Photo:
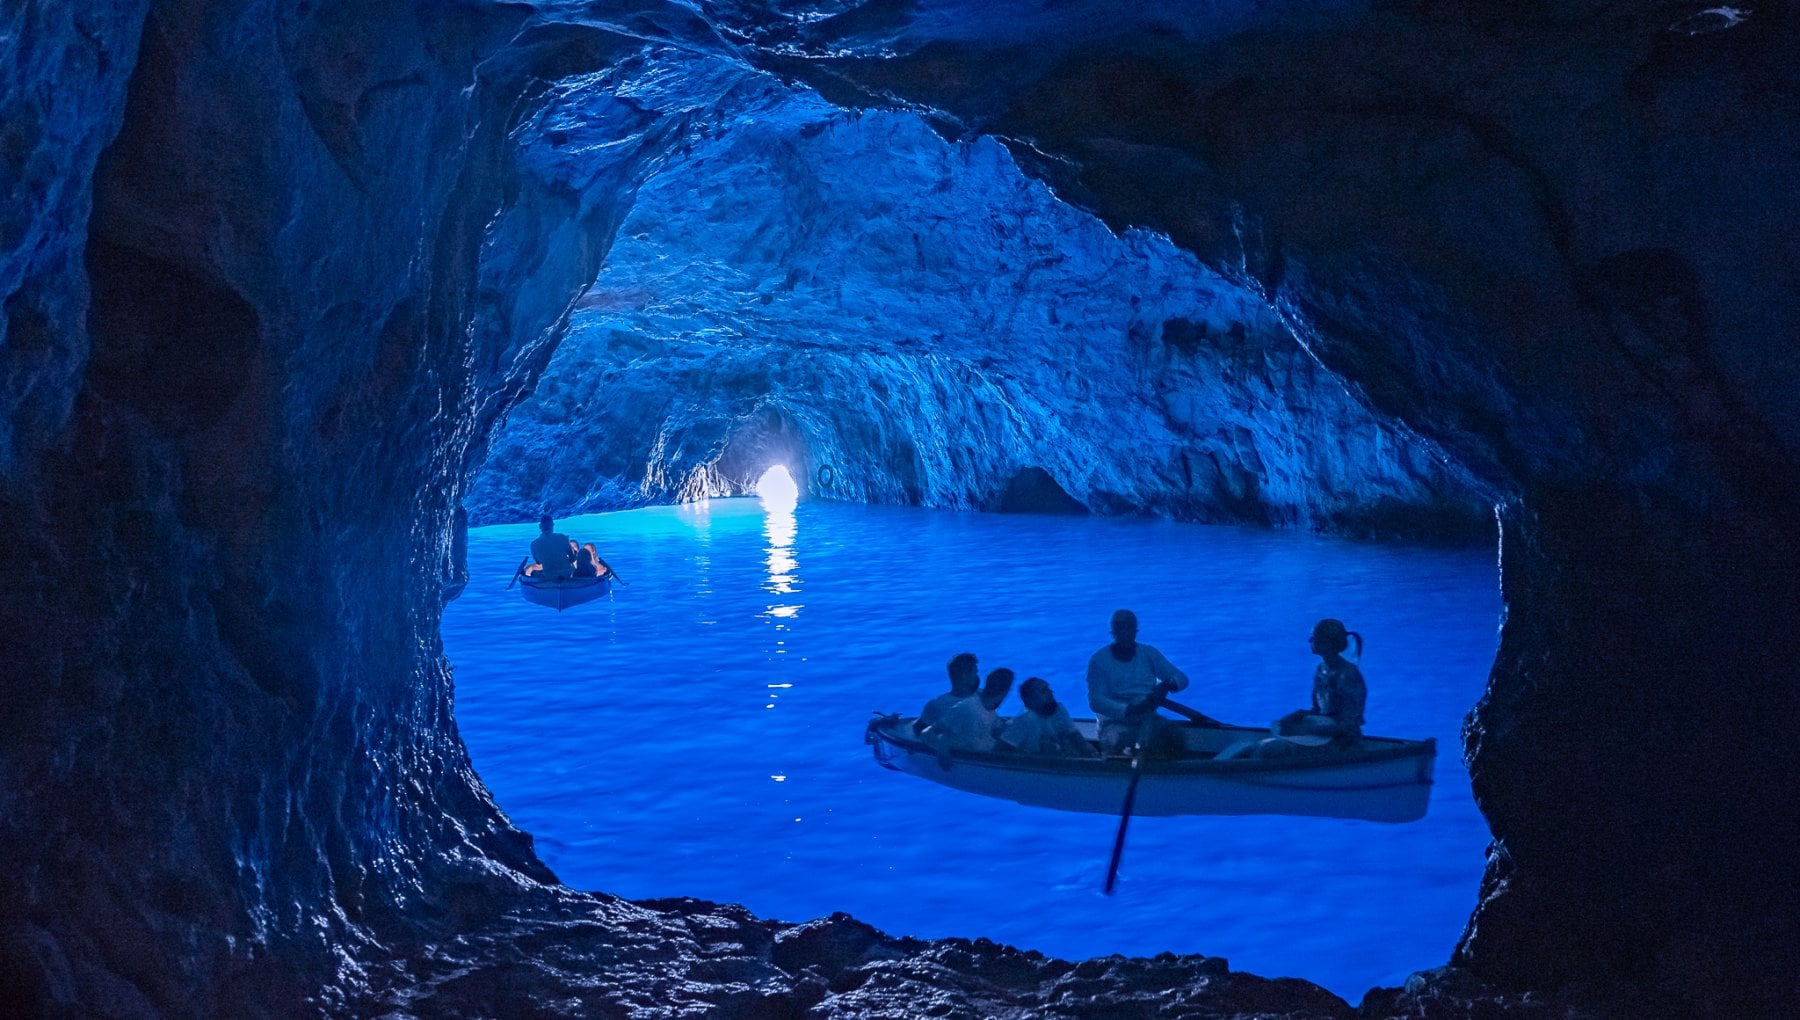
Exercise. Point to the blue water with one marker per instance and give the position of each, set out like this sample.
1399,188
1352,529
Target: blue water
700,733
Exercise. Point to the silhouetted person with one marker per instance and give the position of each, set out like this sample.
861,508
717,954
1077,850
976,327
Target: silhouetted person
1338,692
971,723
586,563
1044,727
998,686
965,680
1125,681
551,550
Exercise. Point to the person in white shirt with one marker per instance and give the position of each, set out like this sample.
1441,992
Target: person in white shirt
970,724
1044,727
1125,681
965,679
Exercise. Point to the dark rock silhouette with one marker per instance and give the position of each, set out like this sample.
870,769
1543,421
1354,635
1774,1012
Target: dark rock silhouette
258,346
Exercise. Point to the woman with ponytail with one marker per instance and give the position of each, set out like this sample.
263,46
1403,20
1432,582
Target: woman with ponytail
1338,692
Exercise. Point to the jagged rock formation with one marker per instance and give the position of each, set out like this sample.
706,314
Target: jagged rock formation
902,319
270,274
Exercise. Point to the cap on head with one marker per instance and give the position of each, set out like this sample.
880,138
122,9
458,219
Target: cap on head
546,524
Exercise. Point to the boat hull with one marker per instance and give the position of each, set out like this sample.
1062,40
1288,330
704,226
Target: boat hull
560,595
1385,780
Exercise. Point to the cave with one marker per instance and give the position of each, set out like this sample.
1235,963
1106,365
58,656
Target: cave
277,280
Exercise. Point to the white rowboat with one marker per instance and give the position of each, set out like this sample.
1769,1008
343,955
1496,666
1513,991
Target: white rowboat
560,595
1383,779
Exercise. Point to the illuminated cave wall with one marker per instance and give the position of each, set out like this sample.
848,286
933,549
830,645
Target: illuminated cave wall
910,320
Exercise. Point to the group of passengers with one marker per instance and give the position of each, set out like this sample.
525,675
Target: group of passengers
968,718
557,557
1127,682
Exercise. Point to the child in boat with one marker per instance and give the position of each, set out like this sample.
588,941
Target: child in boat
1044,727
970,724
965,679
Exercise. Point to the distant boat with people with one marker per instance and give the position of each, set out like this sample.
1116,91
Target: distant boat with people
566,572
1382,779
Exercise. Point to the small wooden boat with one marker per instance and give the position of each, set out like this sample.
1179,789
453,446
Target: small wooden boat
570,591
1382,780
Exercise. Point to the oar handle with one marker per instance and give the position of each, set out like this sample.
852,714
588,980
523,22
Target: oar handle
1178,708
516,572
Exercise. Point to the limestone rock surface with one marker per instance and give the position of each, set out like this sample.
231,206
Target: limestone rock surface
902,319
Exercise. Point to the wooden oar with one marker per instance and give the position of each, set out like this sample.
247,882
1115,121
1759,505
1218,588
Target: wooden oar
1137,773
1198,717
517,572
611,572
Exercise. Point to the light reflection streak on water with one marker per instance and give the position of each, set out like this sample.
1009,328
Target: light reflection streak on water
780,526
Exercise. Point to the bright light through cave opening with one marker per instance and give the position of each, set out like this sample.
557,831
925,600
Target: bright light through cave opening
777,488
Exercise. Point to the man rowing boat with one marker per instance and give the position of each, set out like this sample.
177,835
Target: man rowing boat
1126,680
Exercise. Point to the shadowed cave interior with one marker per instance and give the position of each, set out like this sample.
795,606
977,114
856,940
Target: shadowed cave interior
272,276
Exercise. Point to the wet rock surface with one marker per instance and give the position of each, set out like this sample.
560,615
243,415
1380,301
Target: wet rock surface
272,273
667,958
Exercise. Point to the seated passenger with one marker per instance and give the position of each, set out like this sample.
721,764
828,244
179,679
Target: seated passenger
1338,696
587,563
1126,680
965,679
551,551
1044,727
970,724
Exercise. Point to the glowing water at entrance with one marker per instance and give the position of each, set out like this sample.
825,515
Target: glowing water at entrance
701,733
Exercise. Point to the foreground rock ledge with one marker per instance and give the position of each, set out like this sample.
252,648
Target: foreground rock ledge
563,954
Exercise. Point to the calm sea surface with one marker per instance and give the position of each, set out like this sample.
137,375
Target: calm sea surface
700,733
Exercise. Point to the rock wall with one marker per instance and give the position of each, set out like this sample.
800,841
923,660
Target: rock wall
243,397
903,319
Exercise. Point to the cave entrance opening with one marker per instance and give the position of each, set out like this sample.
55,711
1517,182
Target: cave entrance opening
776,487
905,322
